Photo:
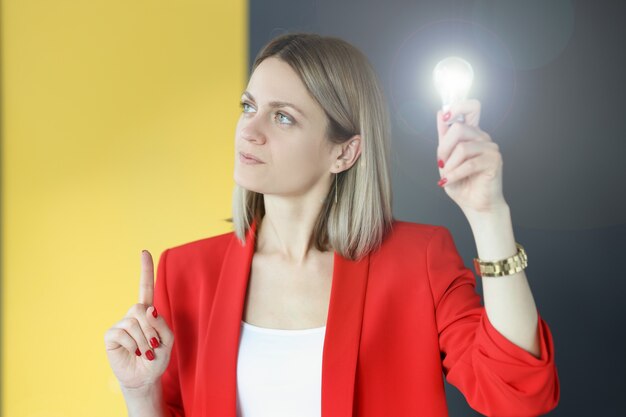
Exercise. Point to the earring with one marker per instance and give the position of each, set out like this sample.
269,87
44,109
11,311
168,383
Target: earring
335,188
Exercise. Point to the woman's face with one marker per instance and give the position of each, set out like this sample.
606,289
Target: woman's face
284,127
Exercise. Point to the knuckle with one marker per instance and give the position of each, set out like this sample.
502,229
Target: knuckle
130,323
109,333
139,308
134,310
114,333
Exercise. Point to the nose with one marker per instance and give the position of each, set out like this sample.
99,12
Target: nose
253,131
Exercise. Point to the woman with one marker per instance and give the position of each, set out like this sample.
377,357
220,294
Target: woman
319,303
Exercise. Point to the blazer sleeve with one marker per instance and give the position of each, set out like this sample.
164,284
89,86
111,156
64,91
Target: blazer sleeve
497,377
170,381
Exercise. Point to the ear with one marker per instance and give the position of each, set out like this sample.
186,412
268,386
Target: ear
349,152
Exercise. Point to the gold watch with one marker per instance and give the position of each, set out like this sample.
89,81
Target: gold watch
508,266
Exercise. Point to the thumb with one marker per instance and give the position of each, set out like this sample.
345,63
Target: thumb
160,325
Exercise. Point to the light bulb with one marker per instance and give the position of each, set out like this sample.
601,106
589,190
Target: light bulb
453,78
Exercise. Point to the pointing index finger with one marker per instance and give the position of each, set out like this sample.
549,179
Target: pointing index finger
146,281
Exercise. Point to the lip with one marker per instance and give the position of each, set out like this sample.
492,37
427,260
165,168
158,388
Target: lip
247,158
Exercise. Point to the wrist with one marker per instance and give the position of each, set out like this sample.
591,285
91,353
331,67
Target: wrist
142,391
497,214
493,234
145,401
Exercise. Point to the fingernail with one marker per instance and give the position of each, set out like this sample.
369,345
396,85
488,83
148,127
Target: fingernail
150,355
440,163
138,352
442,182
154,342
154,313
446,116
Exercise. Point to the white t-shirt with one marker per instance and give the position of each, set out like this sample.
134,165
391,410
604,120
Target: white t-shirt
279,372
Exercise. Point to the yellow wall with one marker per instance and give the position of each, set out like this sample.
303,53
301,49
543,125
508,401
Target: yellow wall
119,120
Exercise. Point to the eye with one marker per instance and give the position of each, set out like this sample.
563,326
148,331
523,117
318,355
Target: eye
285,118
282,118
245,106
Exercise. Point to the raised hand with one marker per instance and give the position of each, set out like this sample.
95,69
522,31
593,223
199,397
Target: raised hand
139,345
470,163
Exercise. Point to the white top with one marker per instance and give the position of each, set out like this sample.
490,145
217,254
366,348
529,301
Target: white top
279,372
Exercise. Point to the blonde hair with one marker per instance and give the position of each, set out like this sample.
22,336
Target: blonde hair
343,82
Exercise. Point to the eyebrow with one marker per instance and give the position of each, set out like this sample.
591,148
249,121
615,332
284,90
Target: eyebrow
277,104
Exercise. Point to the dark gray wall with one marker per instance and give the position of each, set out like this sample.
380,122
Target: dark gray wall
550,77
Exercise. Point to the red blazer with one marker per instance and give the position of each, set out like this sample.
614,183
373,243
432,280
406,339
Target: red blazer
398,321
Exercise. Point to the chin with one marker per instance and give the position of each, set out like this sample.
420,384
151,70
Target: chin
250,184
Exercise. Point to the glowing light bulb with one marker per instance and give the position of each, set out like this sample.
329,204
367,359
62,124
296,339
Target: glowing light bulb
453,77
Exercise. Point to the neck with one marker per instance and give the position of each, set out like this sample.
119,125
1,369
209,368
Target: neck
287,227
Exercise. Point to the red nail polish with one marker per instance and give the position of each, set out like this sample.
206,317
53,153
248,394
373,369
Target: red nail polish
446,116
154,342
150,355
138,352
442,182
440,163
154,313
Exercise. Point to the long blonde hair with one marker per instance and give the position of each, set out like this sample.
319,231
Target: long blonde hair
343,82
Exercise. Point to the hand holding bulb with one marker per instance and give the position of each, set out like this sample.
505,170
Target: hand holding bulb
470,163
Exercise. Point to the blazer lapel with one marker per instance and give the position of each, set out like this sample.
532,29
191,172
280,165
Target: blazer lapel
343,335
216,377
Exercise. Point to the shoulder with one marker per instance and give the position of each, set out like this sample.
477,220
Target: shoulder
406,254
412,234
209,249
